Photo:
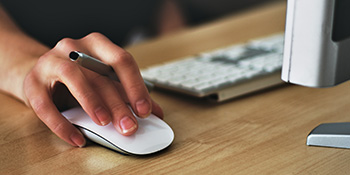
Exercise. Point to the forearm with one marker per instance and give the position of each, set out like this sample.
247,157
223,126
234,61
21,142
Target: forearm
18,54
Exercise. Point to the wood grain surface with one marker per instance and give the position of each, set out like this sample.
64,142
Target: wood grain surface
261,133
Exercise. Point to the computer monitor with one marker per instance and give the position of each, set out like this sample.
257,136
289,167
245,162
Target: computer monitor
317,42
317,54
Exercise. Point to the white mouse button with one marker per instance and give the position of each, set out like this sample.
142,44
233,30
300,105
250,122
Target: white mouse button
152,135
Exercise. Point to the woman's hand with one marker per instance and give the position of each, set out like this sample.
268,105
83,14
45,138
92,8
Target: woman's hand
102,99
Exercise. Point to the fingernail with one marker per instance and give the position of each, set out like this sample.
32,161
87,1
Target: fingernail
143,108
127,125
102,116
78,139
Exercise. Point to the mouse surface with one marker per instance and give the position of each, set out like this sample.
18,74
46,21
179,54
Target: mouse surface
153,133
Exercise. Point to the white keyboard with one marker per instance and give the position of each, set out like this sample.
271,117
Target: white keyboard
223,73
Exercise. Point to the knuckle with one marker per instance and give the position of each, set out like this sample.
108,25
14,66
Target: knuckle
58,128
116,108
86,96
136,87
40,108
101,83
93,36
65,43
123,58
43,63
38,105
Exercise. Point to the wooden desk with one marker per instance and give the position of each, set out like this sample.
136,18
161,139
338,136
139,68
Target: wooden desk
263,133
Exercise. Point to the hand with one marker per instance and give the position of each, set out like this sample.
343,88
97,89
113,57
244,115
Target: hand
103,100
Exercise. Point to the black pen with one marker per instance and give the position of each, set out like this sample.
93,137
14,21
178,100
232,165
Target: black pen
99,67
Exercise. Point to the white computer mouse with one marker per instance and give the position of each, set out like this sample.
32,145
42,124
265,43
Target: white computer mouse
152,135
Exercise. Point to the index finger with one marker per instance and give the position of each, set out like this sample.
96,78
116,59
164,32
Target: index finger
126,68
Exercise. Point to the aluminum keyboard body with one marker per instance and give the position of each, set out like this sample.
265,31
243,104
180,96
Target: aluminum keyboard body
223,73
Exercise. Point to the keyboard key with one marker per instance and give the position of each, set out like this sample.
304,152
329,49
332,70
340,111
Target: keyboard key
225,67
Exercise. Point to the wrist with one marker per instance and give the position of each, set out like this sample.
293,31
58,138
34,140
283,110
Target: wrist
17,63
14,76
